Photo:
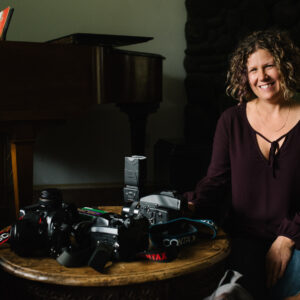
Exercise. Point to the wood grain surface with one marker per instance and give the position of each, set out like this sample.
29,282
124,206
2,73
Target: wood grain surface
199,257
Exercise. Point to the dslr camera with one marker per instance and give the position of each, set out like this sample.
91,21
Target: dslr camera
117,238
44,227
109,237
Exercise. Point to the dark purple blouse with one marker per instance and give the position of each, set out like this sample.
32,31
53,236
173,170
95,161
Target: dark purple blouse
265,196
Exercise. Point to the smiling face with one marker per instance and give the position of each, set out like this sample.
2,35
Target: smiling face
264,76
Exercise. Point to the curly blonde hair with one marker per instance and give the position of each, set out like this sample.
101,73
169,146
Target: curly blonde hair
286,57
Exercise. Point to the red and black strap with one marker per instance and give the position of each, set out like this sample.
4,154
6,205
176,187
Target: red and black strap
160,255
4,235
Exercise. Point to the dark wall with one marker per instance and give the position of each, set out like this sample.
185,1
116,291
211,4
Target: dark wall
212,31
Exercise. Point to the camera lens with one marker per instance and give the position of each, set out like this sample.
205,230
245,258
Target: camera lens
51,197
25,237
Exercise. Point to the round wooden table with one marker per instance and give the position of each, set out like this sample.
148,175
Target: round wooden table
194,273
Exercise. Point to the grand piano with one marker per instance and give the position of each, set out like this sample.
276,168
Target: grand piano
52,81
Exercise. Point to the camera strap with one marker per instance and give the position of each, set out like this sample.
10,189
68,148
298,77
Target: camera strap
167,238
4,235
160,254
181,231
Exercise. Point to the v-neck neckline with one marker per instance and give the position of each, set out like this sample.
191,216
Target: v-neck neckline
255,133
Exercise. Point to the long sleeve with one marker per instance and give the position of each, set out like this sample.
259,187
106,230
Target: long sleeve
261,205
290,227
210,189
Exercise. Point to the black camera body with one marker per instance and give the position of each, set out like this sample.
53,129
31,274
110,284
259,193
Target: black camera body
43,228
109,237
114,238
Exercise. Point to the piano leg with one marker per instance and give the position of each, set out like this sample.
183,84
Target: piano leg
7,211
137,114
21,141
22,171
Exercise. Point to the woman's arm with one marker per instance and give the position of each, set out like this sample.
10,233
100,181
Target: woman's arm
204,200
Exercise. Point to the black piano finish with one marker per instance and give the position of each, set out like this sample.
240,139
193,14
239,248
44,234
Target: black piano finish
44,82
48,81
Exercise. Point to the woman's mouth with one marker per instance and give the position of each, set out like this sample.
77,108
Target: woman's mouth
267,85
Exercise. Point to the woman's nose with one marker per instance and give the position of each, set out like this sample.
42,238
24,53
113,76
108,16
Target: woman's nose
262,75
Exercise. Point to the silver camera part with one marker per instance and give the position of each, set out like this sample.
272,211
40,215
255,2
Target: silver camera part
161,201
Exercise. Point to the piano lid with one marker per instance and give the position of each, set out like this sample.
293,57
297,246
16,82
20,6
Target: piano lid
107,40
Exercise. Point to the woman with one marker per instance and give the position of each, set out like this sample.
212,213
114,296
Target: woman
256,152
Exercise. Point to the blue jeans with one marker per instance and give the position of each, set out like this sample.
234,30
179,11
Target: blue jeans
289,284
248,258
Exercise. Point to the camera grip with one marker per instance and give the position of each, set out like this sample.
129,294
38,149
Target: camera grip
101,255
74,258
